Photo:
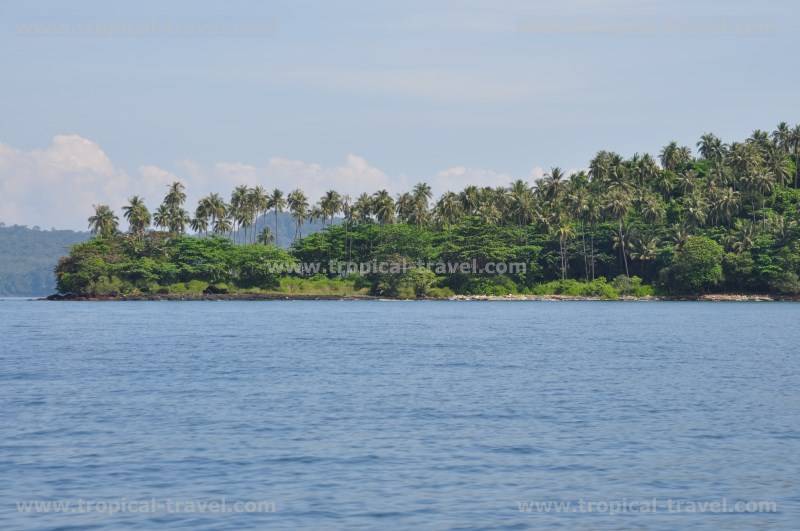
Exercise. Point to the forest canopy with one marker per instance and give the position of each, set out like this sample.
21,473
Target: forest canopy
723,218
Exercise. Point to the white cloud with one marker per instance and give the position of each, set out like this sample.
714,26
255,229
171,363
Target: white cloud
458,177
235,173
353,177
537,173
57,186
153,183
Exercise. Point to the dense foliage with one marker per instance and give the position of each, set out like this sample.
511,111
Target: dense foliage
724,220
159,263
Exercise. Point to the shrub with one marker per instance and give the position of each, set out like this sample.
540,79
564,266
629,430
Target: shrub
196,286
489,285
787,282
218,288
108,286
405,290
178,288
597,288
440,293
420,279
631,286
697,266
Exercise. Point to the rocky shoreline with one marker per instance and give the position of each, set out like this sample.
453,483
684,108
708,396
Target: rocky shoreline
721,297
715,297
211,297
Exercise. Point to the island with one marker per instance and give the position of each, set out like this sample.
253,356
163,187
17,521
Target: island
721,223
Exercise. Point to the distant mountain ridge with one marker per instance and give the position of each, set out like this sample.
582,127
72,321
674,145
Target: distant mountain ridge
28,257
286,228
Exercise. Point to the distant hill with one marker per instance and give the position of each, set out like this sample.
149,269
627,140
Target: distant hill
28,256
286,227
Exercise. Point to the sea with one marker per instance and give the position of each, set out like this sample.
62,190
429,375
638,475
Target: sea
399,415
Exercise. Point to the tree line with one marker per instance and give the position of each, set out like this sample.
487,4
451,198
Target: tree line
736,202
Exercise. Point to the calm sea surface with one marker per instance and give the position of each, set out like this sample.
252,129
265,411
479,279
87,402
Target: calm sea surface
399,415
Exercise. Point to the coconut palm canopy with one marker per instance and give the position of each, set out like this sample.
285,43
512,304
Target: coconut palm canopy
621,216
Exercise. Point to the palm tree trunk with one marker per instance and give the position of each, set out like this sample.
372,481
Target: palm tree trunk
796,163
591,243
347,240
622,246
585,260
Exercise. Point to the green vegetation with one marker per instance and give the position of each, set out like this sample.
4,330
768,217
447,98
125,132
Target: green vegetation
725,220
159,263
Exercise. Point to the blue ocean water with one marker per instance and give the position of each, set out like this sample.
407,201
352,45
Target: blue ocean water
399,415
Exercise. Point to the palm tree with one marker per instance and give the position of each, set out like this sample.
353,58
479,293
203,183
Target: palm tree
782,137
104,222
260,201
362,209
795,142
298,206
347,211
199,222
674,156
724,204
599,167
316,214
652,208
223,224
421,195
643,169
565,233
277,203
618,172
645,250
617,204
214,208
576,205
330,204
246,214
778,164
177,218
383,207
760,139
161,217
696,208
178,221
176,195
594,215
265,236
238,207
521,200
405,207
202,214
551,186
489,213
744,237
470,200
448,210
137,215
711,148
680,233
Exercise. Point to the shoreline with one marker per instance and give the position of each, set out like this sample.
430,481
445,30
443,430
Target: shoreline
711,297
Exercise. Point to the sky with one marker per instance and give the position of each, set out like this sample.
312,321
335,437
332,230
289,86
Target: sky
99,101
